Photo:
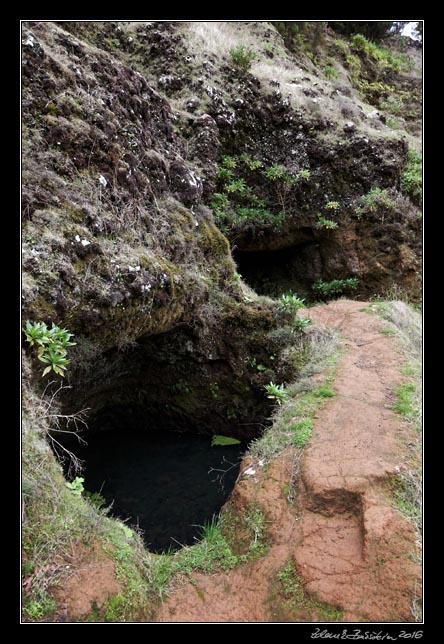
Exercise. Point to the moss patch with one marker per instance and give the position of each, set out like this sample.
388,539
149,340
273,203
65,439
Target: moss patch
289,601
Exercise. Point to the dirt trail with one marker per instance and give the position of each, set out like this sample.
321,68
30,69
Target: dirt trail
351,548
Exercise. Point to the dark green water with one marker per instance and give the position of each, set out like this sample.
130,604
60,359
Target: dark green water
161,482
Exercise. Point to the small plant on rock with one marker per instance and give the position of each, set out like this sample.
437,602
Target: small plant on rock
301,324
235,205
335,287
276,392
291,303
52,345
304,174
224,175
378,200
242,57
278,172
252,164
411,178
76,486
328,224
282,180
229,162
330,72
238,185
95,499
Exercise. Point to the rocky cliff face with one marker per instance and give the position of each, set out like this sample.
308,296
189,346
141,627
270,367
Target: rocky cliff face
149,150
119,245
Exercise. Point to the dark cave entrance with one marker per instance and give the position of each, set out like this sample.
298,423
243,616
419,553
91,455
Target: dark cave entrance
153,411
166,483
274,272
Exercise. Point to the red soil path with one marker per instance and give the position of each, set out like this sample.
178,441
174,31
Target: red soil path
349,546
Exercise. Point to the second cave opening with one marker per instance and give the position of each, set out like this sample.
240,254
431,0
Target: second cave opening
274,272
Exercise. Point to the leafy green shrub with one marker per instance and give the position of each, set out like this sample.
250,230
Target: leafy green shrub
371,67
411,178
229,162
278,172
304,174
244,218
341,46
238,185
224,175
291,303
219,202
300,324
276,392
377,199
393,124
252,164
330,72
257,214
242,57
76,486
335,287
282,182
235,205
52,345
383,57
354,65
359,42
392,105
326,223
95,499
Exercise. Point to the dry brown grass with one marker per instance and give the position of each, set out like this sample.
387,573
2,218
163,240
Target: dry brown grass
216,38
409,325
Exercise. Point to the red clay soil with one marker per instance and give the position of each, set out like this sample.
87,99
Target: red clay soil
92,582
351,549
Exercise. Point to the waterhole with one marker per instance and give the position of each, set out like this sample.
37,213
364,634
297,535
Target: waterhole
168,484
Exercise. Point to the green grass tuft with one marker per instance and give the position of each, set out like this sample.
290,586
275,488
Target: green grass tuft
411,178
324,392
293,601
387,331
404,404
38,605
302,431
